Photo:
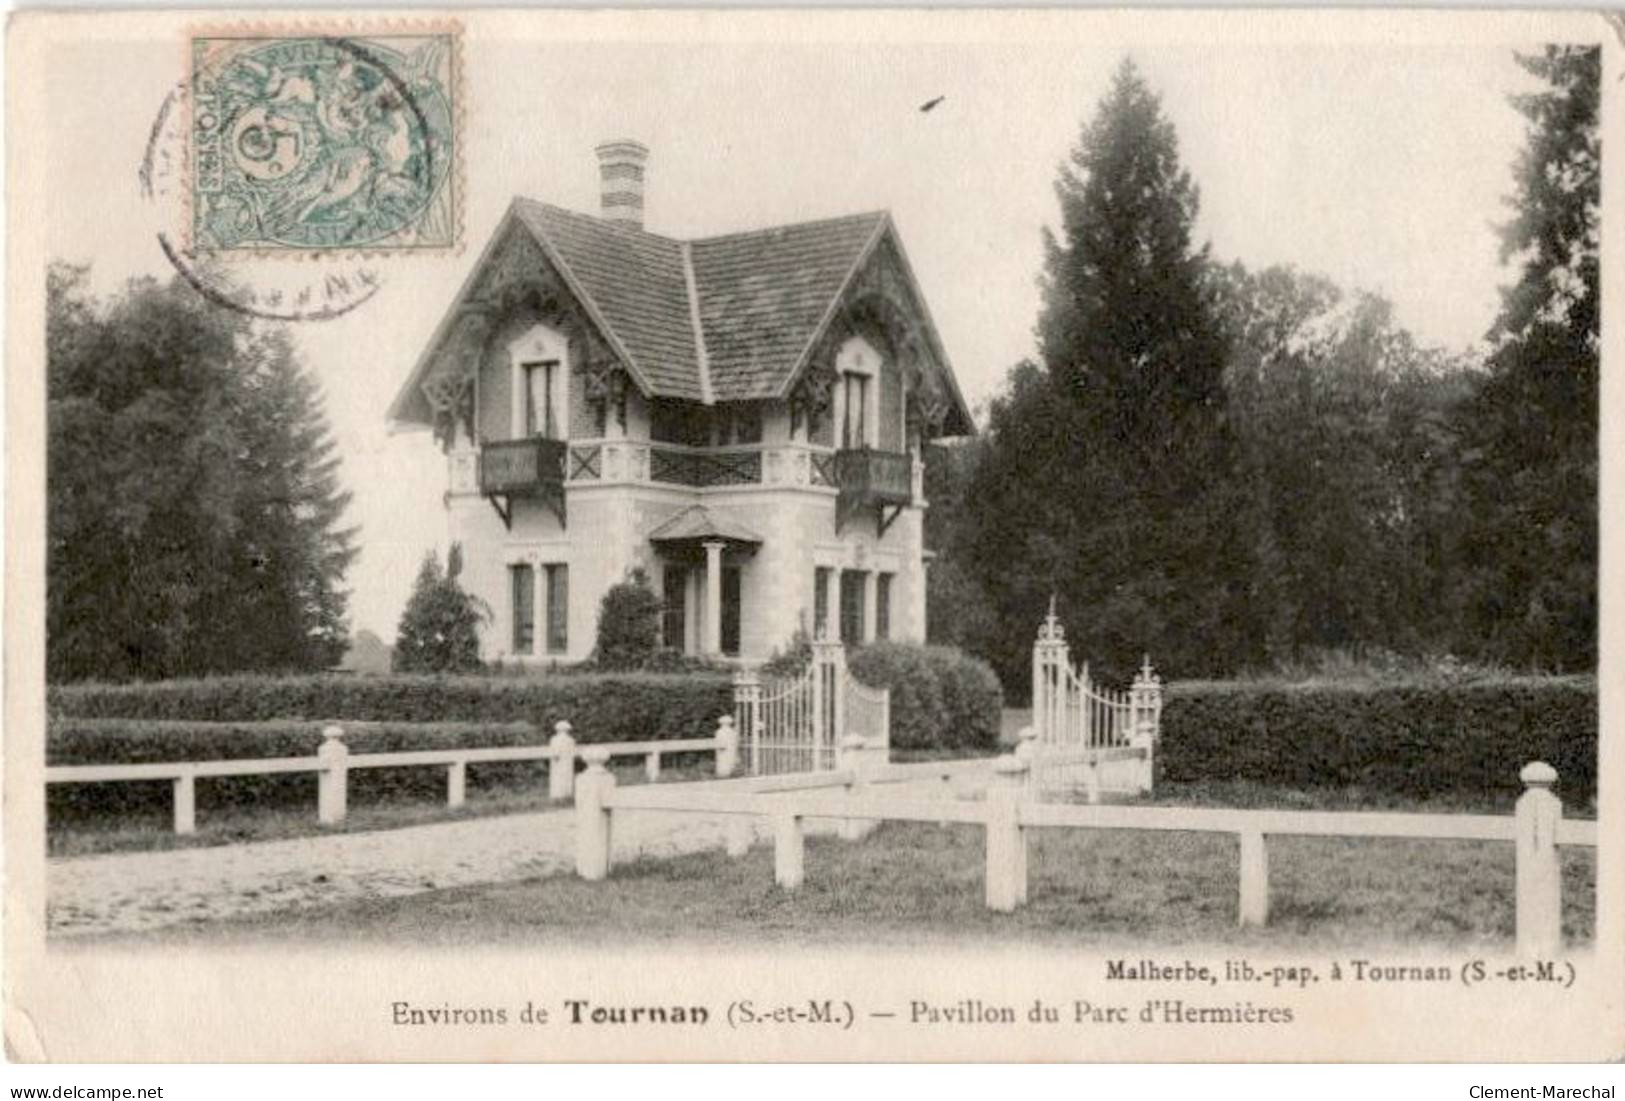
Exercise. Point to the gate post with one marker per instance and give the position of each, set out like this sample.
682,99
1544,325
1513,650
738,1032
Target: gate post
747,714
1050,656
1006,840
1539,873
857,755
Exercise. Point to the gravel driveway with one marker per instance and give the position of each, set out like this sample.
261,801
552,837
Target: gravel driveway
134,892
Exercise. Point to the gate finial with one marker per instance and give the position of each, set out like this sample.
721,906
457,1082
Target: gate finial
1051,630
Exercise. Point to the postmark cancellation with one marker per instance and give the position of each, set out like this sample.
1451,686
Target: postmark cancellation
319,141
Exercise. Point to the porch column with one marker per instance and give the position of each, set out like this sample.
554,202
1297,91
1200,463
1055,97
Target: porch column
713,597
871,586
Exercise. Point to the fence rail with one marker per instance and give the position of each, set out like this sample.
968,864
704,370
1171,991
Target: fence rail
334,761
1011,811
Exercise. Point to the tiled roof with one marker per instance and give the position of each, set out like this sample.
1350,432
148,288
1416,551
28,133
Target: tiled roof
699,522
635,281
762,295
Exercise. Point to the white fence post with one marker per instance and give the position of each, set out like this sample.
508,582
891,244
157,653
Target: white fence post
561,767
1006,840
333,781
741,835
1027,750
1254,907
185,804
727,747
592,817
1539,873
651,767
789,852
856,754
1146,701
456,784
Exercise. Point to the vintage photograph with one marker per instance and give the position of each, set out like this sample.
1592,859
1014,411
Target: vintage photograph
607,483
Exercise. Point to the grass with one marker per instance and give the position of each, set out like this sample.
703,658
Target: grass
911,884
150,828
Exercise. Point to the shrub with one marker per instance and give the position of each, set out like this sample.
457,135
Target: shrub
1414,740
602,706
628,624
940,697
439,630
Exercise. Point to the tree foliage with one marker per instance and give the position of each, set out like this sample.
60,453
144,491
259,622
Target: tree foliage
439,629
194,501
1097,479
1530,432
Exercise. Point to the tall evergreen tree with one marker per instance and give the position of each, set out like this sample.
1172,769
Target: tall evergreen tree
1106,478
1531,429
192,490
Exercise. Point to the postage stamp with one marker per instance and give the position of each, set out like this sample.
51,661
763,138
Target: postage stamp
316,143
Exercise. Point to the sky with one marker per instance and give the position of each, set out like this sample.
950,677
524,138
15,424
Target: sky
1381,166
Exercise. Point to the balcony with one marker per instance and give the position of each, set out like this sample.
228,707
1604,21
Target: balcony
867,479
523,468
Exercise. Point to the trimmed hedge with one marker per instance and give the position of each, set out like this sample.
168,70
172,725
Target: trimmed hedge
1414,740
606,707
941,698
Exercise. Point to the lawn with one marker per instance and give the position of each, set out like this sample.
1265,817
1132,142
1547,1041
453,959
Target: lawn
914,883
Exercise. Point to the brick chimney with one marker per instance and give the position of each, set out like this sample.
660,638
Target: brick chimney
620,172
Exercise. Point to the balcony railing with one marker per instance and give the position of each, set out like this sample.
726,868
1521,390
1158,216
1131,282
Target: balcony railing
522,468
691,467
869,477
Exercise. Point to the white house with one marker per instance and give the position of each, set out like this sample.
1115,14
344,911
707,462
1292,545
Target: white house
741,416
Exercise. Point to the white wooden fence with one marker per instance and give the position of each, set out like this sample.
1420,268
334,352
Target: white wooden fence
1080,729
1008,813
334,762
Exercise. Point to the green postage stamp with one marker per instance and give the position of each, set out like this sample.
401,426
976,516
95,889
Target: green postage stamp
321,143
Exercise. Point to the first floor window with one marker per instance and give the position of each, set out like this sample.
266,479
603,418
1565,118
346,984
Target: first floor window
674,608
852,585
730,611
855,411
558,607
883,606
821,602
522,584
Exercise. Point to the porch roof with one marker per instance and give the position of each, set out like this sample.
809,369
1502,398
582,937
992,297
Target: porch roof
698,524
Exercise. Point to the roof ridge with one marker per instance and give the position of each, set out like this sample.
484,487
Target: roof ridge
782,226
702,358
618,227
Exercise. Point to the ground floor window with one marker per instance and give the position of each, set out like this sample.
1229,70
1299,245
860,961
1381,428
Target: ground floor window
558,607
674,608
853,583
730,611
821,602
522,586
883,606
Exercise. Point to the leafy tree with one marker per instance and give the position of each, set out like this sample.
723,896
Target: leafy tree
1531,429
1347,459
439,630
628,624
193,493
1105,472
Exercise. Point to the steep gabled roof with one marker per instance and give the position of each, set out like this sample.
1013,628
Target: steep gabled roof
764,295
635,283
726,318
